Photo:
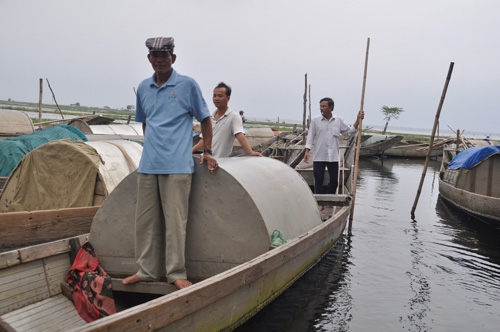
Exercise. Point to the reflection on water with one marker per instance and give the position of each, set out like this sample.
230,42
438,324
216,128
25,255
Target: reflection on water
438,272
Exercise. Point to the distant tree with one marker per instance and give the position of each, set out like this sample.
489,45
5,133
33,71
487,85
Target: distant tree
131,108
390,113
77,104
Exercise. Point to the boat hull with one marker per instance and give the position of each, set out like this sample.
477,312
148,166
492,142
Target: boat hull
479,205
226,300
19,229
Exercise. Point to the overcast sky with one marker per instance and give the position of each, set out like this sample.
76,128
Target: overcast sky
93,52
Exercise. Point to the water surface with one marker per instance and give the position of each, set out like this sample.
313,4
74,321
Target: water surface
438,272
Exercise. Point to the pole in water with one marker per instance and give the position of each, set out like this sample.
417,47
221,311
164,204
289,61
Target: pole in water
436,121
358,142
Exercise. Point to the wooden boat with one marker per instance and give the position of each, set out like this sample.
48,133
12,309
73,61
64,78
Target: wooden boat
417,150
13,124
287,147
56,189
347,150
19,229
468,181
228,254
379,147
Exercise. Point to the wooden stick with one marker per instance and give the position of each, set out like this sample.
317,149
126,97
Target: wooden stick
54,96
436,121
305,110
40,101
358,142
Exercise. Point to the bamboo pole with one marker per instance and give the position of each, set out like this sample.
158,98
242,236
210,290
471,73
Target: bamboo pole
305,110
54,96
436,121
309,118
40,101
358,142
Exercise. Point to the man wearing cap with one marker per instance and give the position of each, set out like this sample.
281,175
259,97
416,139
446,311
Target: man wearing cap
226,126
166,104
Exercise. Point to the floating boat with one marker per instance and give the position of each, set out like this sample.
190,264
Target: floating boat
56,189
379,146
417,150
468,180
13,124
347,149
236,267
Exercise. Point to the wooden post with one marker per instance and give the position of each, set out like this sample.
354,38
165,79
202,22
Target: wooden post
40,104
305,112
309,120
358,142
436,121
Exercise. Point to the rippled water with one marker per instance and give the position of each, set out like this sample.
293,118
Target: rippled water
439,272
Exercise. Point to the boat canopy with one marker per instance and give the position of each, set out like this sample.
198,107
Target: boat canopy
12,150
472,157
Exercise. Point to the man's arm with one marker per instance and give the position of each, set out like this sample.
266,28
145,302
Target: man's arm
206,131
198,146
246,146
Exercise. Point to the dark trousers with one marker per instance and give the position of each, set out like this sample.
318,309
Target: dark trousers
319,177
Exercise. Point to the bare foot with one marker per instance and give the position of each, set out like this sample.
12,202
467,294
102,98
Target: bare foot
131,280
320,207
182,283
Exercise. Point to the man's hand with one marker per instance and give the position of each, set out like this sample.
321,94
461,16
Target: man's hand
306,156
212,164
255,154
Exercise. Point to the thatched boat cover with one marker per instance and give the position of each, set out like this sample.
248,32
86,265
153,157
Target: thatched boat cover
15,123
12,150
58,174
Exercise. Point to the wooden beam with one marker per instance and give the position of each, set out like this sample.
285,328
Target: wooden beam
332,200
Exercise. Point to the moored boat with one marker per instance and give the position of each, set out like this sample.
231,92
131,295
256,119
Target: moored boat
56,189
229,253
417,150
378,147
468,181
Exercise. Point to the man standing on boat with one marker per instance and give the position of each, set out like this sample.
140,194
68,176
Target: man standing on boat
226,126
324,134
166,104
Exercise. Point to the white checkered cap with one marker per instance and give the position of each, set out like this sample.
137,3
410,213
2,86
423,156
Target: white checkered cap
163,44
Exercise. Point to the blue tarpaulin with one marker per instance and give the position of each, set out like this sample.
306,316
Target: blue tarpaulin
12,150
471,157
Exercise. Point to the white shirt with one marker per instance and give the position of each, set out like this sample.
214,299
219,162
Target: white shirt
224,131
324,136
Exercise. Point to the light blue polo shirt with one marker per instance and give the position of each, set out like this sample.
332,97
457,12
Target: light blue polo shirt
168,112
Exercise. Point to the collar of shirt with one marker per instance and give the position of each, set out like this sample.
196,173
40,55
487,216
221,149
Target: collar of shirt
172,80
226,113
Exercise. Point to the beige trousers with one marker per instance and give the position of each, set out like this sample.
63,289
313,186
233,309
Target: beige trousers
160,225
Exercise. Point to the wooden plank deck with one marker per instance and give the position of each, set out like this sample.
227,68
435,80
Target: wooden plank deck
56,313
31,297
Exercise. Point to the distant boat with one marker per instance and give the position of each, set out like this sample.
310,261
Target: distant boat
417,150
379,145
469,180
13,124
